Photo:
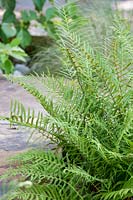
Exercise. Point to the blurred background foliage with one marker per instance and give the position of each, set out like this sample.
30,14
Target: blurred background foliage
42,50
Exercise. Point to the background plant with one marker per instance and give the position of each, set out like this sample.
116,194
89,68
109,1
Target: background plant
12,26
47,60
89,118
97,30
9,51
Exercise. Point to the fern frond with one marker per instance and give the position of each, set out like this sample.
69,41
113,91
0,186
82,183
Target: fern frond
120,194
121,54
89,118
48,169
46,103
82,175
87,64
37,122
36,192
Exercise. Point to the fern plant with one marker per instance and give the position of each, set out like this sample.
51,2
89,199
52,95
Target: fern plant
89,117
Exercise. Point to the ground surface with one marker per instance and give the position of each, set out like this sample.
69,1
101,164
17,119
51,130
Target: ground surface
13,139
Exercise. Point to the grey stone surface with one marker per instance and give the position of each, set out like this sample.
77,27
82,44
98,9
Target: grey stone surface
22,68
36,29
17,73
125,5
24,4
15,139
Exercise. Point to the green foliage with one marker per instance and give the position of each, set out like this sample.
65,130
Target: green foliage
47,60
100,17
28,15
8,29
39,4
8,51
24,37
11,27
89,117
20,27
8,5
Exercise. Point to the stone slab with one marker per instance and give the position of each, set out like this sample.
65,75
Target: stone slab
15,139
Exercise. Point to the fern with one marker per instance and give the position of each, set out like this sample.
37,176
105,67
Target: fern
89,118
120,194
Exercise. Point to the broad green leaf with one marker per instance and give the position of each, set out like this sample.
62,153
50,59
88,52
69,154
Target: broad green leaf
9,29
3,36
9,17
24,14
8,4
18,53
8,66
50,13
15,42
1,46
51,29
39,4
1,65
27,16
1,4
32,15
3,58
24,37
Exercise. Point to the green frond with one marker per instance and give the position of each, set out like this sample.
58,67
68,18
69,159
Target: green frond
36,192
46,192
118,195
88,64
46,168
89,117
82,175
46,104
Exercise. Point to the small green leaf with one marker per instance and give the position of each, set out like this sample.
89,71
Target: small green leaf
8,66
3,36
18,53
27,16
15,42
8,17
32,15
24,37
24,14
39,4
8,29
3,58
50,13
9,4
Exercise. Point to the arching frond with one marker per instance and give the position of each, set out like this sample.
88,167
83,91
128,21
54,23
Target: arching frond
89,117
